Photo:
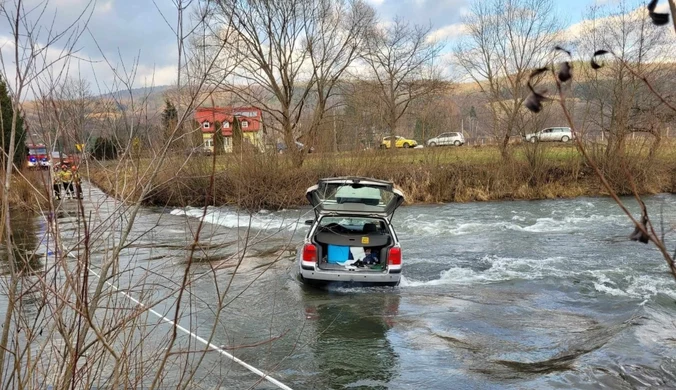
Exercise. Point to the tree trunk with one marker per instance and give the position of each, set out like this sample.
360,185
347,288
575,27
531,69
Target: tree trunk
335,135
618,146
393,121
504,147
655,145
392,141
672,7
297,155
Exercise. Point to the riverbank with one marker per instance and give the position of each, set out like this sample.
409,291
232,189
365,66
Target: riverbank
28,190
437,175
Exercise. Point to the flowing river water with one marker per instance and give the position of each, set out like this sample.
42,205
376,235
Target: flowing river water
523,294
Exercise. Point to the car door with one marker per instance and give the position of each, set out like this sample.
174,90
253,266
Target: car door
556,134
546,135
452,137
386,142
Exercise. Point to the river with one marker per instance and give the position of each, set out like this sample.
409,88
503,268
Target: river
523,294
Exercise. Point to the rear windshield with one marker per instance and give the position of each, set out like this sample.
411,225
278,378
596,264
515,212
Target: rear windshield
37,151
349,193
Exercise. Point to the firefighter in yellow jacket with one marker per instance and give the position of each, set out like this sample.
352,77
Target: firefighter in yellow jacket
56,182
67,180
77,181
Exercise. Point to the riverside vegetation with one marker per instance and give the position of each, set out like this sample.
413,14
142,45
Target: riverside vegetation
29,191
271,181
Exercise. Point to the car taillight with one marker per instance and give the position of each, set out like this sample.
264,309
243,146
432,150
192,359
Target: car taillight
310,253
394,256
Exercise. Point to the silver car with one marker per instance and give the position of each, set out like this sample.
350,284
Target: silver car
452,138
551,134
351,240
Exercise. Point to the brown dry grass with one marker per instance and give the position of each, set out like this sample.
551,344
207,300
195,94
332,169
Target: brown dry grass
425,176
29,190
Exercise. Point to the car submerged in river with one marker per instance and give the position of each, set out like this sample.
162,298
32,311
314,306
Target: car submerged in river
351,239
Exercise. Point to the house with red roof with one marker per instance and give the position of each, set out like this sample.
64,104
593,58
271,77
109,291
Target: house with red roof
250,119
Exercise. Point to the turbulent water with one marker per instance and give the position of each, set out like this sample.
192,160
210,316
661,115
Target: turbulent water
539,294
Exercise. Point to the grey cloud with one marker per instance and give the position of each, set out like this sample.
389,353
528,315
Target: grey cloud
123,29
133,28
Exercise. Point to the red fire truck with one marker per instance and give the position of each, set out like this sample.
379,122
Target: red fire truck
38,158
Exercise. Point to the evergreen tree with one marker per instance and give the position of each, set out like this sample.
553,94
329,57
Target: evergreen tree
169,118
7,112
105,149
237,135
218,140
169,115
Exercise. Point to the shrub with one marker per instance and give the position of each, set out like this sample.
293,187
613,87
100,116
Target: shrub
105,149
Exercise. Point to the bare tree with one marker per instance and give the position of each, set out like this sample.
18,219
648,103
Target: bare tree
644,229
505,40
334,42
29,58
401,69
434,114
290,56
619,102
74,321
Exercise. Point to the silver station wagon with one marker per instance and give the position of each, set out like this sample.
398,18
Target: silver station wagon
552,134
351,240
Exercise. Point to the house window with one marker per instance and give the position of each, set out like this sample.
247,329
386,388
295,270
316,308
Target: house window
226,125
245,124
206,125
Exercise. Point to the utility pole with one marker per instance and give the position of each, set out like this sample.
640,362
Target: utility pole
335,133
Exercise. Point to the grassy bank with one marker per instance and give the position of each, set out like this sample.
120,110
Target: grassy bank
426,175
29,190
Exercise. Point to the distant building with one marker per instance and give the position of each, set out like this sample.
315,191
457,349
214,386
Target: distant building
249,119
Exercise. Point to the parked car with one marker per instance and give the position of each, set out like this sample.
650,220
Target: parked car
552,134
351,239
452,138
281,147
198,151
399,142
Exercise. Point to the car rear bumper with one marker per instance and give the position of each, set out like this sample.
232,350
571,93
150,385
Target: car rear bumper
317,275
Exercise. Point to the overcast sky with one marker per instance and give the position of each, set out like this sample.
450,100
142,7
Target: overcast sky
122,30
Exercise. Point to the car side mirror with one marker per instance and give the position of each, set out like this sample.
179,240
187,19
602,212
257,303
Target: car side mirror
309,221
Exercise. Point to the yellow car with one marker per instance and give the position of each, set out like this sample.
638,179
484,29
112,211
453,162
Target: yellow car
399,142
